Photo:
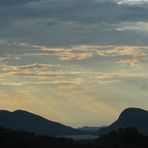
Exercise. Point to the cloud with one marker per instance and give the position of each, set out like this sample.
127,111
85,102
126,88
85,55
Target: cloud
76,56
132,2
78,52
39,67
6,3
90,11
73,22
82,11
64,77
39,82
83,52
132,26
132,63
122,51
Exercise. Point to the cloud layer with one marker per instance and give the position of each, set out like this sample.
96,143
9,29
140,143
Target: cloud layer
69,22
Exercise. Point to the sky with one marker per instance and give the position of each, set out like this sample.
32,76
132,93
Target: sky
77,62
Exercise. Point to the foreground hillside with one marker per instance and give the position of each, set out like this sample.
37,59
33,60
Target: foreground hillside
123,138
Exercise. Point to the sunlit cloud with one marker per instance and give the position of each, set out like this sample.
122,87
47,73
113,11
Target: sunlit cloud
58,74
75,78
132,63
50,81
122,51
83,52
77,52
27,67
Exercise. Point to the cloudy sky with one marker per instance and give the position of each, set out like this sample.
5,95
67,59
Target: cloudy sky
78,62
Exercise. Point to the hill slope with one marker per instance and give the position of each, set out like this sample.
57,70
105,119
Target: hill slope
25,121
131,117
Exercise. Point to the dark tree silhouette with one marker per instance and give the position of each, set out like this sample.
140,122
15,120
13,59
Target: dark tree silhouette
122,138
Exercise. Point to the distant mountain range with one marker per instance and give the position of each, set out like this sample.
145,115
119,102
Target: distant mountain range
25,121
88,128
91,130
131,117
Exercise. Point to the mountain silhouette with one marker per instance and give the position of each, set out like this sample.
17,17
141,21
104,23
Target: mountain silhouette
130,117
29,122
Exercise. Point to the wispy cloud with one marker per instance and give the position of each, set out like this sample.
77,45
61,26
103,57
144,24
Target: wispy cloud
132,63
78,52
76,78
39,67
82,52
61,73
118,51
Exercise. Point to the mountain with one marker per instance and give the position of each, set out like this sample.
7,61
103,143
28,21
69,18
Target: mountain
25,121
130,117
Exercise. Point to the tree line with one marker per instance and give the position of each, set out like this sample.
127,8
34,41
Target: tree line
122,138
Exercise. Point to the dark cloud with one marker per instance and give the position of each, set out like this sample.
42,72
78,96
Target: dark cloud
11,3
84,11
87,11
71,21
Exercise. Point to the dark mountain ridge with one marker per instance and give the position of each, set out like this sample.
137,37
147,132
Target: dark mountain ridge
29,122
131,117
